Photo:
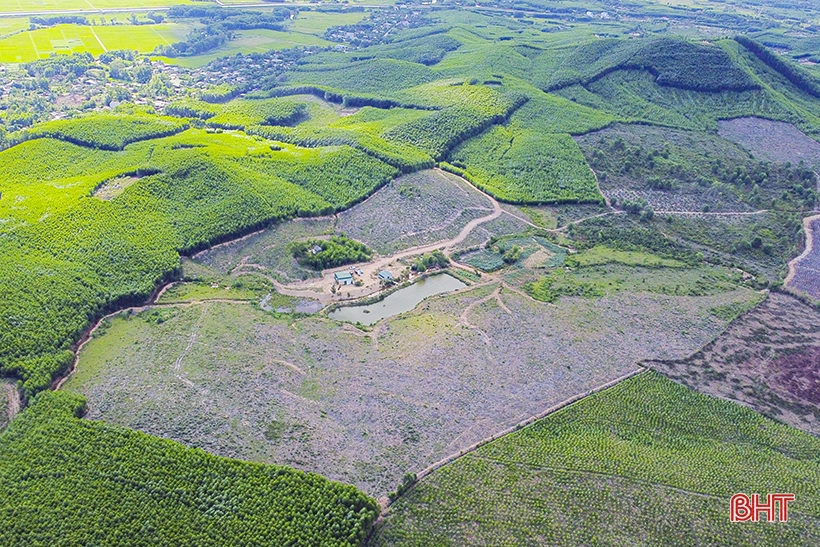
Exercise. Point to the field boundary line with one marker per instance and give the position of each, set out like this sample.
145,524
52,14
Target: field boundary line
94,33
386,502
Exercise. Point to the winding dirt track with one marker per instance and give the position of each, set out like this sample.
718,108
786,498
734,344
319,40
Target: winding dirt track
806,252
316,289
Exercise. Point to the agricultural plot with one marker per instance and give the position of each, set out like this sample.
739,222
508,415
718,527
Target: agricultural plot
766,360
14,6
367,407
532,252
634,96
672,63
772,141
613,272
646,462
807,269
415,209
78,466
65,39
107,132
316,22
239,113
247,42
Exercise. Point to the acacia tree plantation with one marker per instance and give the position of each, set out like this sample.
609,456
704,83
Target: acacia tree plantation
626,196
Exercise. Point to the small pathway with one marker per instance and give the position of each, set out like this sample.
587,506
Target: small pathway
806,252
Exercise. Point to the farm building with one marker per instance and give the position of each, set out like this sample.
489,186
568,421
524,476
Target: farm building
385,275
345,278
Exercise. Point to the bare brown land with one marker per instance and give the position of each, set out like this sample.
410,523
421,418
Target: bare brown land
767,360
366,407
771,141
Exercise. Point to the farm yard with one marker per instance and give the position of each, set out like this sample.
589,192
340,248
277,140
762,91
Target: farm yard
366,407
643,453
765,360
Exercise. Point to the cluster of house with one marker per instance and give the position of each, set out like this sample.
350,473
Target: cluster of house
346,277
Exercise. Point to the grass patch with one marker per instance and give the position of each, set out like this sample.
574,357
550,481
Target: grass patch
603,255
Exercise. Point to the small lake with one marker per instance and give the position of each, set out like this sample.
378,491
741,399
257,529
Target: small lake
400,301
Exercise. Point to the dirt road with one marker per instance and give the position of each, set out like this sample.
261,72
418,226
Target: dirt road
806,252
320,289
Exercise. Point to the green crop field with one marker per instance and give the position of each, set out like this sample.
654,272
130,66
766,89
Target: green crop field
314,22
19,6
64,39
646,462
250,41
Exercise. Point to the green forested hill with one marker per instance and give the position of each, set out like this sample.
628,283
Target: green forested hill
69,481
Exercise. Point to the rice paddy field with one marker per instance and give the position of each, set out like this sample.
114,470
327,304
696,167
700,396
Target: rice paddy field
27,6
65,39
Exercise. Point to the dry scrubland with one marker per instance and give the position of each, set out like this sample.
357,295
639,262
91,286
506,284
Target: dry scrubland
622,184
4,405
771,141
366,407
415,209
767,360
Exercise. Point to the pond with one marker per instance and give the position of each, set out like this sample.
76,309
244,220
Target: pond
400,301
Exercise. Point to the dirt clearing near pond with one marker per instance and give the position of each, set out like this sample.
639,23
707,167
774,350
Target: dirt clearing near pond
767,360
366,407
